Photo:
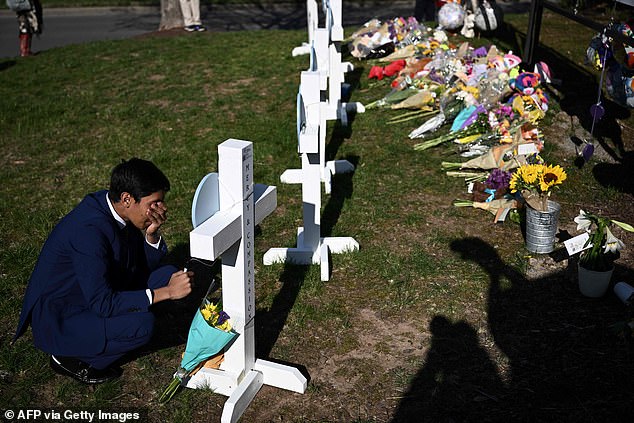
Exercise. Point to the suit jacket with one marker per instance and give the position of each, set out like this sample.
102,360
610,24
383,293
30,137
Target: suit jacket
88,270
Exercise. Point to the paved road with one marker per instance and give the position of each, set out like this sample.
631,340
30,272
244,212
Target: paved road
73,26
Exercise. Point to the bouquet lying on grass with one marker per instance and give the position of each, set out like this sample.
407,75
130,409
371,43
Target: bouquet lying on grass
491,195
602,247
209,333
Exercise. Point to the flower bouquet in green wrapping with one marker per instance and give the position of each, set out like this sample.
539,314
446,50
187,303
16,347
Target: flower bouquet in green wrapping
209,333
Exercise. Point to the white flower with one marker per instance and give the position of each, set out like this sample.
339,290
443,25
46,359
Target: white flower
461,95
583,223
440,36
612,243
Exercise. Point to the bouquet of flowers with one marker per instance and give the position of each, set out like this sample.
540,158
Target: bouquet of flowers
498,207
536,182
602,247
491,195
493,188
209,333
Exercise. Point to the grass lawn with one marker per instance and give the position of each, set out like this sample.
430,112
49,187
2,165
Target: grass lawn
441,316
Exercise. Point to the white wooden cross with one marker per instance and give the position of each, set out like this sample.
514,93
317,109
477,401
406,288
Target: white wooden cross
311,133
311,19
311,126
326,59
333,10
235,205
319,56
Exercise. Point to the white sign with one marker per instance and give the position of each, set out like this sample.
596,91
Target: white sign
526,149
577,244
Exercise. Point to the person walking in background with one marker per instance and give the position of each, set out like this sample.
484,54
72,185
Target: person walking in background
191,15
29,13
425,10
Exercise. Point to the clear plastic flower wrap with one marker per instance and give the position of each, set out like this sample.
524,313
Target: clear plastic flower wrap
493,88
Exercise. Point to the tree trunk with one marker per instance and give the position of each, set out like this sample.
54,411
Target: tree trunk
171,16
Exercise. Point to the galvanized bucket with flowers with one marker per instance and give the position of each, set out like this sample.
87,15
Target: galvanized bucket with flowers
596,260
536,182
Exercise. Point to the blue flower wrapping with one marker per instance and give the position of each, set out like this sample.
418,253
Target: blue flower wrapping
203,341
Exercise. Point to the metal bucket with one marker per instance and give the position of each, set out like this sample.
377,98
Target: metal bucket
541,228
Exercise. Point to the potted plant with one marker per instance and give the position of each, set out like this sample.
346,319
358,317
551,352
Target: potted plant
535,182
596,260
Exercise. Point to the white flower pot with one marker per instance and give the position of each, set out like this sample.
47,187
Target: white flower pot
593,284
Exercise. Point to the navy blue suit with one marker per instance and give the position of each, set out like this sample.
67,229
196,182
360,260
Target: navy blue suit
87,294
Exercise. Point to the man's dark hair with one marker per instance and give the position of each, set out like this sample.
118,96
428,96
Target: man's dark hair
138,177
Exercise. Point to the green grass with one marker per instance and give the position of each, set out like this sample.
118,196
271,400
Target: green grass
70,114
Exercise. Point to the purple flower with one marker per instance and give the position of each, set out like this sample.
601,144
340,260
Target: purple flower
505,111
498,179
222,317
480,52
433,75
473,116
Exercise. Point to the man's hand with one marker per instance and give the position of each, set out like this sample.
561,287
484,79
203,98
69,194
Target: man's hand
179,286
157,213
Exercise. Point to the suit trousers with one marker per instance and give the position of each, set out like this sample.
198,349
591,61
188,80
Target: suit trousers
127,332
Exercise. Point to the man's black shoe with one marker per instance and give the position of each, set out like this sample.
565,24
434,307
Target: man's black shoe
83,372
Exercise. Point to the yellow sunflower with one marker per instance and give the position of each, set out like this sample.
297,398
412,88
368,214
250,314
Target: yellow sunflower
514,182
551,176
530,173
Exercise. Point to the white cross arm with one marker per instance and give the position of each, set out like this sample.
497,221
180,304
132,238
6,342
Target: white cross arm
265,197
215,235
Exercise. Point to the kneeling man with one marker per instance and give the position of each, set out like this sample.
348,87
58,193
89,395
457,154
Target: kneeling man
88,300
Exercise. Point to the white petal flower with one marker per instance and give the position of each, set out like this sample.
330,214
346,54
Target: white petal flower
583,223
612,243
440,36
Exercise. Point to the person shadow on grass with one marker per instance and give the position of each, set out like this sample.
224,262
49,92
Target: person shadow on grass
457,382
553,356
562,361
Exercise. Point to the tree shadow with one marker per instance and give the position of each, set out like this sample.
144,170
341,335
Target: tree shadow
617,175
260,15
6,64
559,359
